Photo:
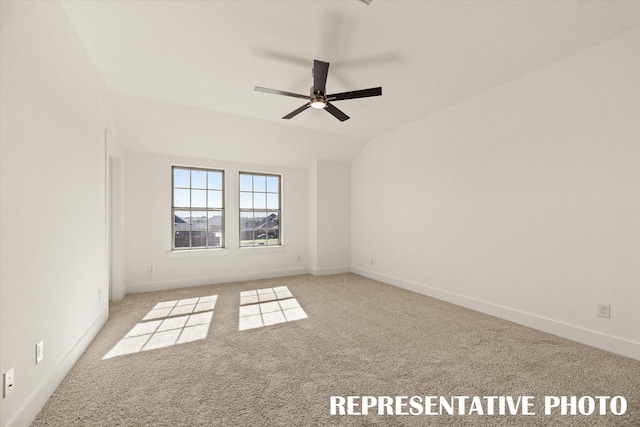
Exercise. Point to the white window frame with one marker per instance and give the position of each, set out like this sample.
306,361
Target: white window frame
267,243
175,208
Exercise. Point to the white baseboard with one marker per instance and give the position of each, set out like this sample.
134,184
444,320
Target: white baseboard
212,280
582,335
327,271
30,409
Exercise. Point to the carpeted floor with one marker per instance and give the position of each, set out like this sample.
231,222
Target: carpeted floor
361,338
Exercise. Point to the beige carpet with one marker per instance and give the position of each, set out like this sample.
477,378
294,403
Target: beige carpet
361,337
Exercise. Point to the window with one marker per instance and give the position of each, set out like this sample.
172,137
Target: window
259,209
197,208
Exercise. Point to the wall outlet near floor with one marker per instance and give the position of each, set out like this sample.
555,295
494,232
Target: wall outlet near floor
604,310
151,269
39,352
371,261
8,382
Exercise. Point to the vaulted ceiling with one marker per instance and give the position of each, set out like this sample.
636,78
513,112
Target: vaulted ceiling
182,73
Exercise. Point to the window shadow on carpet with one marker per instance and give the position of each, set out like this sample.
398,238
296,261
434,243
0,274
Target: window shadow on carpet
168,323
269,306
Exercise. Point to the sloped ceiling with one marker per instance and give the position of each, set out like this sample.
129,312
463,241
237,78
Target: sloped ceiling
182,73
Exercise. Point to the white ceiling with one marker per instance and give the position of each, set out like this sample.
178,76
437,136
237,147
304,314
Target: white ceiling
181,70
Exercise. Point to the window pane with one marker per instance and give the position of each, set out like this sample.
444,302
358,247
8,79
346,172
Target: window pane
181,178
259,183
273,220
246,229
273,184
181,239
198,221
214,199
214,231
215,180
259,200
246,182
198,199
198,239
273,201
181,198
246,201
198,179
215,222
182,217
260,227
246,219
181,228
214,239
273,224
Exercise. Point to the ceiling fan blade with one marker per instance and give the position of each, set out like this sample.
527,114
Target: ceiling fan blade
320,71
363,93
338,114
296,112
279,92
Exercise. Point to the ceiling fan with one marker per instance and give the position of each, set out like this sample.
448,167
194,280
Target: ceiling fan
318,99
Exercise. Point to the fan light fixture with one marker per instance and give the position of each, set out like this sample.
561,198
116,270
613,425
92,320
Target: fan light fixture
318,103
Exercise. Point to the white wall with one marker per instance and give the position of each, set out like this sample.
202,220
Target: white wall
523,202
147,228
331,218
54,112
153,126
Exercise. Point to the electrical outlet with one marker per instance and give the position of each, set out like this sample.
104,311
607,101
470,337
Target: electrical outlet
371,261
151,269
8,382
604,310
39,352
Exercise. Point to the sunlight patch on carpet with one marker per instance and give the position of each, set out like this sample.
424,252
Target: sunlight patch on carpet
168,323
269,306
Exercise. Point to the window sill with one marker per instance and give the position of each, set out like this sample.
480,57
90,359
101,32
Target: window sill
261,249
188,253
